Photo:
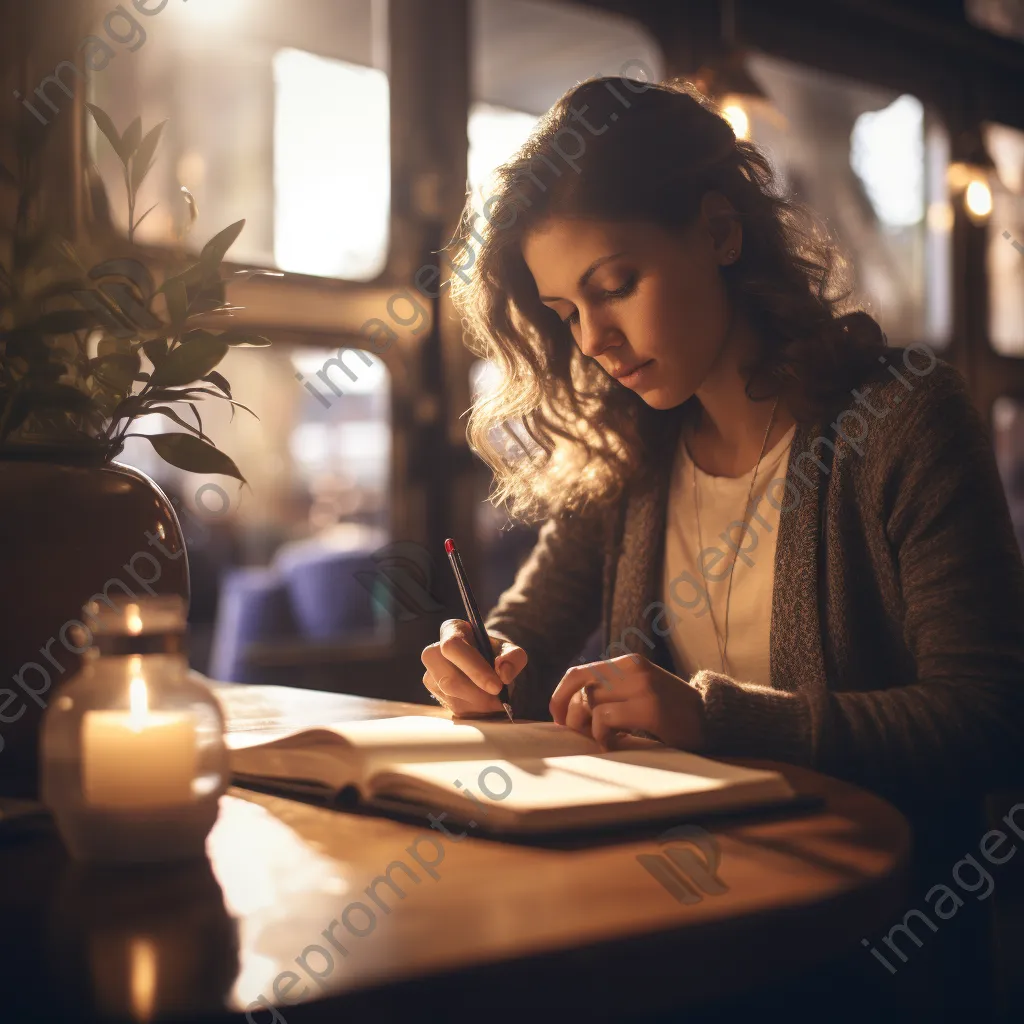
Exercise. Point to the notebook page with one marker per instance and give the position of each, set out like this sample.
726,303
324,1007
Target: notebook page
570,784
421,738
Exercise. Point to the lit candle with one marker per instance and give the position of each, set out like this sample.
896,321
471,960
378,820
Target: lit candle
137,759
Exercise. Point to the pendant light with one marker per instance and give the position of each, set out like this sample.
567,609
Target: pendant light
726,80
971,173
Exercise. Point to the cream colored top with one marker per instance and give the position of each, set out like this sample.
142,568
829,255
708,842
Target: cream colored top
696,577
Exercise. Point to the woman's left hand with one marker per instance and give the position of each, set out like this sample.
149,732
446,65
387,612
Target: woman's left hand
629,693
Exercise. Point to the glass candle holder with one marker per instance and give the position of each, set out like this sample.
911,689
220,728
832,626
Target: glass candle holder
133,755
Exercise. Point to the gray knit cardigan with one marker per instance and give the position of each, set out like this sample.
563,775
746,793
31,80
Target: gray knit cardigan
897,618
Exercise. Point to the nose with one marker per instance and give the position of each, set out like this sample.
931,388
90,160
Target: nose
598,333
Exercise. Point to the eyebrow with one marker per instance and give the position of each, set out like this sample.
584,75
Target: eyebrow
584,277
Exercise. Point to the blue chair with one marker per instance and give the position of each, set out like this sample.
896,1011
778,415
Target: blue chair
328,598
254,607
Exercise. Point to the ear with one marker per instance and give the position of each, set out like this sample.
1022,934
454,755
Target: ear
723,226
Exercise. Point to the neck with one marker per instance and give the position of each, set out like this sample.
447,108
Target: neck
730,430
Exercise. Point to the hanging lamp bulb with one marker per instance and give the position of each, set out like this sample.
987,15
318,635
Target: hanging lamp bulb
971,175
727,81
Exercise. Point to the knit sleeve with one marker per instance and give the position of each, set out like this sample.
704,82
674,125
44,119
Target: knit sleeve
957,727
552,607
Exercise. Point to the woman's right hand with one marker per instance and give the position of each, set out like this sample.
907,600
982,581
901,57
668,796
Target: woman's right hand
458,675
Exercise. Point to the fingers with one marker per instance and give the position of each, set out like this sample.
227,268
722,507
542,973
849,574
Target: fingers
510,660
457,646
458,675
612,680
568,686
448,680
434,689
578,715
608,719
477,702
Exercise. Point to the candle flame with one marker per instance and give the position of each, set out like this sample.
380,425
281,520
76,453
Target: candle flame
138,702
143,977
133,619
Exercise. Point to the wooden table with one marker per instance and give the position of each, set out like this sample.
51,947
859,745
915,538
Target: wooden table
504,928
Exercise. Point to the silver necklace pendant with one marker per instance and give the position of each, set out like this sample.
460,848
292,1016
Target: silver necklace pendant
723,643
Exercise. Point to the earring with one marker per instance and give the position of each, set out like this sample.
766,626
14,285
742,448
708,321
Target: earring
731,255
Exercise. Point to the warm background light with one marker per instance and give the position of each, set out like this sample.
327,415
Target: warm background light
736,115
143,975
216,12
978,199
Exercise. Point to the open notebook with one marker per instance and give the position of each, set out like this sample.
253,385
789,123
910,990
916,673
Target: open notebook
548,776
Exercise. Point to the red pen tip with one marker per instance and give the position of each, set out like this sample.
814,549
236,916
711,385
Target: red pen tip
449,545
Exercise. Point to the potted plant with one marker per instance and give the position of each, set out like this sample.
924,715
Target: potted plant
87,351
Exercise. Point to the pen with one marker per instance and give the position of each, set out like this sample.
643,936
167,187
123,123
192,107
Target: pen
483,641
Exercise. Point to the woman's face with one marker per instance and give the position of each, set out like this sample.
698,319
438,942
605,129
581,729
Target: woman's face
648,304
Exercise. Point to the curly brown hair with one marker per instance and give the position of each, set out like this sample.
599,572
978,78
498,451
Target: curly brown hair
558,432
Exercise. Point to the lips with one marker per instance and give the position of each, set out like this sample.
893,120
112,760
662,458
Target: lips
626,371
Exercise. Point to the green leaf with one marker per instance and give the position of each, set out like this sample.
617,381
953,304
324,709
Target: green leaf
188,363
49,372
130,140
189,453
220,381
196,273
127,302
238,405
25,343
105,125
127,407
143,159
68,252
65,321
199,334
171,414
16,412
243,339
56,289
42,399
155,350
161,394
106,314
135,271
177,303
116,370
145,215
207,296
216,248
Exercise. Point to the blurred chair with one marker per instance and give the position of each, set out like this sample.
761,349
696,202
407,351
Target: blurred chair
254,607
319,589
327,598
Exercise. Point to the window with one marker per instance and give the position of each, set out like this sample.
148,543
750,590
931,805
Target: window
526,53
289,559
276,113
872,163
1008,437
1006,240
341,444
495,133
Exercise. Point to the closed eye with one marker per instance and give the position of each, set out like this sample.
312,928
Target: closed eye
617,293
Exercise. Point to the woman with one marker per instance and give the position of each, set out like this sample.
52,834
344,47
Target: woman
794,538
